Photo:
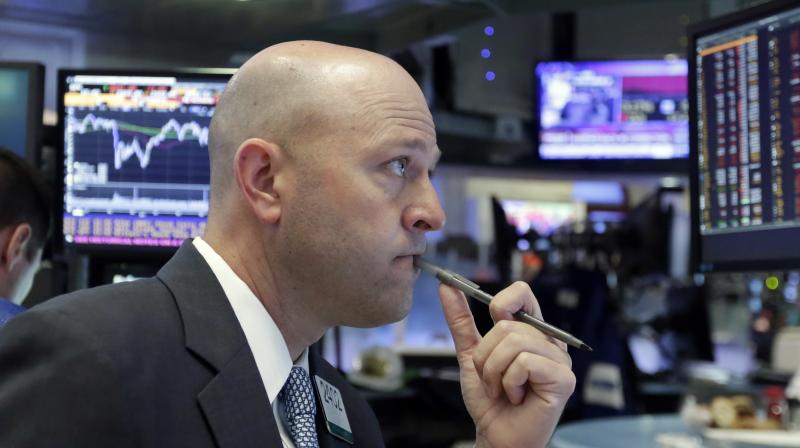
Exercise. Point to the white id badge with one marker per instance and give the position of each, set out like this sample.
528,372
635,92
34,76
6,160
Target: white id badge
333,407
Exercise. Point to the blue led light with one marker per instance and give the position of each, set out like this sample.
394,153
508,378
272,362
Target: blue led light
600,227
486,53
488,30
490,75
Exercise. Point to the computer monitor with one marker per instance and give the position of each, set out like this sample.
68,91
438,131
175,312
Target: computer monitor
21,103
745,139
542,217
608,112
135,152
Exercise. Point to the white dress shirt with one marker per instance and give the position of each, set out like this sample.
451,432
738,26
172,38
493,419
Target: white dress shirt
265,340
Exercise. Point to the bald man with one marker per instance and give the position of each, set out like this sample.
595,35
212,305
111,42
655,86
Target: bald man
321,159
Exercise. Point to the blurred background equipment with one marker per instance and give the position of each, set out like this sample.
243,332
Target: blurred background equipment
21,102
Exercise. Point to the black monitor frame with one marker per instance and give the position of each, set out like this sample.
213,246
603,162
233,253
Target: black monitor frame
112,252
676,166
695,32
33,118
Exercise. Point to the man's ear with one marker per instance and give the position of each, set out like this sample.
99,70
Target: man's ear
14,246
255,166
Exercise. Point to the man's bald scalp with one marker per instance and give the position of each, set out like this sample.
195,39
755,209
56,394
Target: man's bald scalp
257,103
285,94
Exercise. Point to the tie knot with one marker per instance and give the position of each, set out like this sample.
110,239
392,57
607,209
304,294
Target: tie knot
300,408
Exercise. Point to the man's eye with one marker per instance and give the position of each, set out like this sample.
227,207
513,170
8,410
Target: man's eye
399,166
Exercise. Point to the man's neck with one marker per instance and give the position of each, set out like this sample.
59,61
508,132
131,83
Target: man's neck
298,328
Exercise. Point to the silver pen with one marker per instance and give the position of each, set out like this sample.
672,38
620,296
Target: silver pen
473,290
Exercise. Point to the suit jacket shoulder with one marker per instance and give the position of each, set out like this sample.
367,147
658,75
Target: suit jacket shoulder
152,363
56,376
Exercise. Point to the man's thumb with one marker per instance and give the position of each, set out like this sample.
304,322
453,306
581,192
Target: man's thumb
459,319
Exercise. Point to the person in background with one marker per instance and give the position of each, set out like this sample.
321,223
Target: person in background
321,196
24,228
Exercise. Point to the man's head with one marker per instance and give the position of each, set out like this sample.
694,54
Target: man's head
24,225
321,159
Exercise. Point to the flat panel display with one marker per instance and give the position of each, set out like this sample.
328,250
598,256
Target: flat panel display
746,139
612,110
135,151
21,102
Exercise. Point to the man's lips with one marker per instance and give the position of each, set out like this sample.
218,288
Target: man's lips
413,252
406,261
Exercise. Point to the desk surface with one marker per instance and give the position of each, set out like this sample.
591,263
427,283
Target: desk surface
617,432
643,431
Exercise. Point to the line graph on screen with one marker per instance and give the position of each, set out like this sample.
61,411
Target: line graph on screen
171,131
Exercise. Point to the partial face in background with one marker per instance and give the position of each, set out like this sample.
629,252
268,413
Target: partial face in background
19,263
362,200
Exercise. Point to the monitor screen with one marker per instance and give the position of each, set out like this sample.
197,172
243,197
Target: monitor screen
613,110
746,139
542,217
21,102
136,167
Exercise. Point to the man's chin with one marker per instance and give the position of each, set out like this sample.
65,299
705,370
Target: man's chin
380,317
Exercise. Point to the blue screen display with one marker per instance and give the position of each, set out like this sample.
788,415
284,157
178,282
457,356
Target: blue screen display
14,109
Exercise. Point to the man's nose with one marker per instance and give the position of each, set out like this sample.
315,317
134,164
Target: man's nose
425,213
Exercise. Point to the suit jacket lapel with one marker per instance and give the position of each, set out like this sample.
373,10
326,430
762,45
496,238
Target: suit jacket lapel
237,407
234,402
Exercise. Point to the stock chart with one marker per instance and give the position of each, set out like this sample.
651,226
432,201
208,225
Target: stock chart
136,158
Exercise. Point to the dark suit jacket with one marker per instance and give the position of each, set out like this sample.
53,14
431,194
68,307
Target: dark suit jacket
160,362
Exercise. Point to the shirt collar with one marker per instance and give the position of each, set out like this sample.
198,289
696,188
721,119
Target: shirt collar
264,338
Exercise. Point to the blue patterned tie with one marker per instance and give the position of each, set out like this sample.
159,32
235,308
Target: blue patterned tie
300,408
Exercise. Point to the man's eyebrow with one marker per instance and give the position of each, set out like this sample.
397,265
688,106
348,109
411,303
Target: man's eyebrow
417,144
420,145
437,153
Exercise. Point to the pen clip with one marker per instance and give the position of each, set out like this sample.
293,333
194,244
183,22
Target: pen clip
464,280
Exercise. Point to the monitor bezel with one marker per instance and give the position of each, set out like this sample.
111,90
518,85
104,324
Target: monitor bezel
117,252
695,32
673,166
35,109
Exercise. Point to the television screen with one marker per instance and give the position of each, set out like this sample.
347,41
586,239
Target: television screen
21,102
613,110
135,151
745,105
542,217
